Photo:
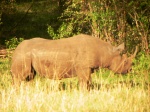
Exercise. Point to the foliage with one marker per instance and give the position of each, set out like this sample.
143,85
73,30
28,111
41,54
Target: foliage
13,42
7,6
0,18
143,61
114,21
142,66
72,21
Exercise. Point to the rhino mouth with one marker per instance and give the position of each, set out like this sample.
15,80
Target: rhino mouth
127,71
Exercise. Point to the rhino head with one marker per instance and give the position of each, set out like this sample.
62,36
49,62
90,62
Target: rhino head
121,63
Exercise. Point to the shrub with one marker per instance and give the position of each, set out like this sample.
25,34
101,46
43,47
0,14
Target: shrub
13,42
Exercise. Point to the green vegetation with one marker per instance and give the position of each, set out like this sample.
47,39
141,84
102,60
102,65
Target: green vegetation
115,21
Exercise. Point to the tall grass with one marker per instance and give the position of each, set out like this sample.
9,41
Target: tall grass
109,92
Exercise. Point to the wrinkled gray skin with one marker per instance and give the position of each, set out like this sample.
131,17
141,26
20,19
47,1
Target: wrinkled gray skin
65,58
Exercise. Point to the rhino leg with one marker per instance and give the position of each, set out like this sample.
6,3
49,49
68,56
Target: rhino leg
31,74
84,76
22,71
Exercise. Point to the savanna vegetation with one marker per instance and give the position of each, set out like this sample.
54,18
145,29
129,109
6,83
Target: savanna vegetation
115,21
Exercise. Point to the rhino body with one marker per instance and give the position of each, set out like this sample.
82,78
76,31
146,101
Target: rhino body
75,56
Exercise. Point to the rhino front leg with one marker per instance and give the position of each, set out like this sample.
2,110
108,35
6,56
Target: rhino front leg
84,76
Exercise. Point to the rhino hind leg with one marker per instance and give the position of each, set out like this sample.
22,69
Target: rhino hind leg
31,75
22,71
17,79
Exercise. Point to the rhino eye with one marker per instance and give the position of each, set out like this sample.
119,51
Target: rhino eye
125,62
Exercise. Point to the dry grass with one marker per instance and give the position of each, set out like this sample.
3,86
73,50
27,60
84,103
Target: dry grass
38,99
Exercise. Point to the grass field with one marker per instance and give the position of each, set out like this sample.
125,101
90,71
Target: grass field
109,92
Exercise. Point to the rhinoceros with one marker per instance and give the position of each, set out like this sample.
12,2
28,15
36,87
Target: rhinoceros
68,57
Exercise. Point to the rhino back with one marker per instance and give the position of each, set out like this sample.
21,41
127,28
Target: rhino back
80,50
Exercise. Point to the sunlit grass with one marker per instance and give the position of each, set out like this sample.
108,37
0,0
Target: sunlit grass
36,98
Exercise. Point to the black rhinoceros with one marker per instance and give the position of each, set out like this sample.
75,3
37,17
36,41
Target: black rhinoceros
64,58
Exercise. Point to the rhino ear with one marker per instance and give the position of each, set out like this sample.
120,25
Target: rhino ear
120,48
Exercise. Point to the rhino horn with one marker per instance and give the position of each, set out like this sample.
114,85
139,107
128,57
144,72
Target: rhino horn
135,52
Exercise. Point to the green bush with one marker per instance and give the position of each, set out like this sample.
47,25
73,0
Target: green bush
13,42
113,21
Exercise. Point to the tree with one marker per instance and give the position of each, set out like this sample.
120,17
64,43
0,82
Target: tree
114,20
6,7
